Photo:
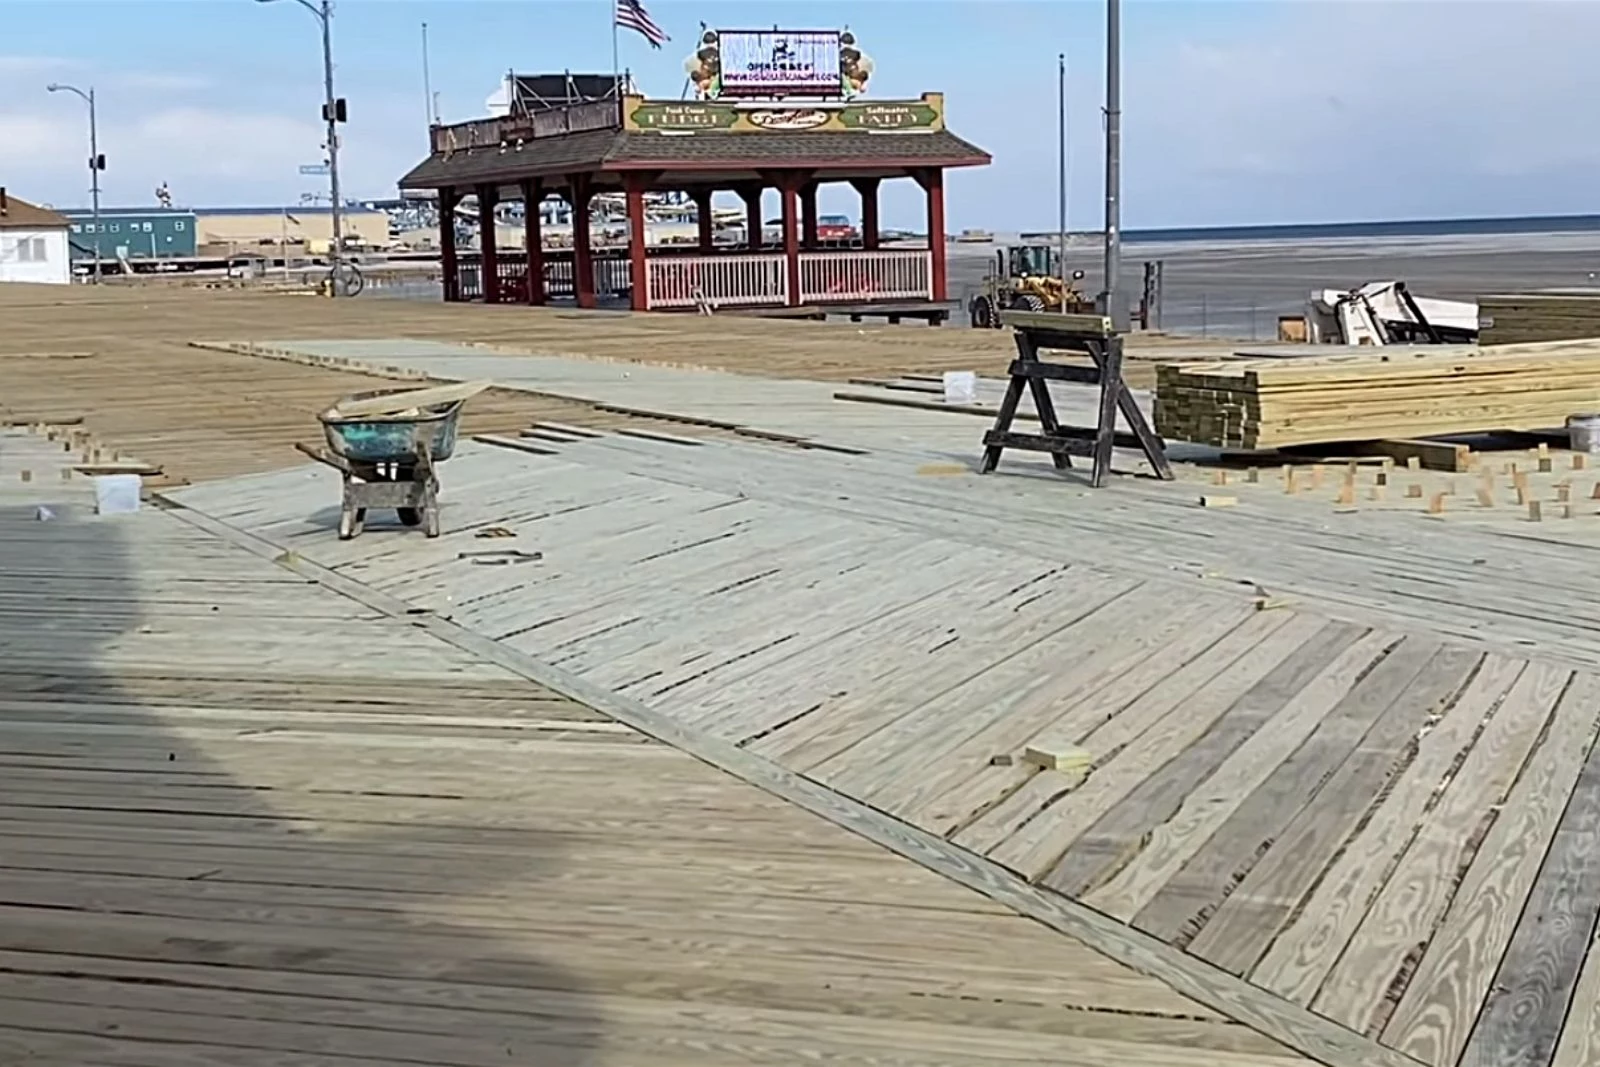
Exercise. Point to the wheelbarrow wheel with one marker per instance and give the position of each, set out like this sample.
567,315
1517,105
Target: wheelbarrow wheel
410,516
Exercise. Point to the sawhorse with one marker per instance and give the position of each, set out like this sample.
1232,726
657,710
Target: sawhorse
1094,336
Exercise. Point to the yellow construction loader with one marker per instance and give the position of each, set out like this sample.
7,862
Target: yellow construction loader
1026,278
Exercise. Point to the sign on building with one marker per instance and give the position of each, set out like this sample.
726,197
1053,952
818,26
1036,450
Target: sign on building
777,63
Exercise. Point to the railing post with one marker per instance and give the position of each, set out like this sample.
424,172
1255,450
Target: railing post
488,254
638,269
449,264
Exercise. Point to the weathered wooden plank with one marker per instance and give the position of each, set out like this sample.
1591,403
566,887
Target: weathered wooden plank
1434,1016
1521,1021
1580,1039
1303,954
1184,906
1329,806
1107,844
1056,811
1172,843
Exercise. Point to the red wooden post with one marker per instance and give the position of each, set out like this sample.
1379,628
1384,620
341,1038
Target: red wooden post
790,188
449,266
932,180
808,215
487,195
752,216
638,268
582,256
533,239
868,188
702,214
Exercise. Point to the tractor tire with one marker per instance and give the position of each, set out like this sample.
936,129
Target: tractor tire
1026,302
982,313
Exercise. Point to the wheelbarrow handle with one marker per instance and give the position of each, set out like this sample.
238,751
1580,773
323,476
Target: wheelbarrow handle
322,455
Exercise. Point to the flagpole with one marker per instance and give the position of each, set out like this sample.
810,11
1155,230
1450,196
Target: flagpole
616,64
1061,178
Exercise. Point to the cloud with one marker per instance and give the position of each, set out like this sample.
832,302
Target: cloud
159,82
23,66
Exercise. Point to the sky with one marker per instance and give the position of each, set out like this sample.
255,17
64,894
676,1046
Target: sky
1234,112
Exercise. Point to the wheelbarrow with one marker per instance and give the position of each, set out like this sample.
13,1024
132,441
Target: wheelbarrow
390,460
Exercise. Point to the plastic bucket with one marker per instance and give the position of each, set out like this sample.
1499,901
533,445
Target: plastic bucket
1584,432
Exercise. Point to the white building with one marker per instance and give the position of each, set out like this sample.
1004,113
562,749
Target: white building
33,243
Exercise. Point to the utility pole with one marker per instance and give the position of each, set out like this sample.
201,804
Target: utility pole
97,162
1061,177
1114,305
333,113
428,103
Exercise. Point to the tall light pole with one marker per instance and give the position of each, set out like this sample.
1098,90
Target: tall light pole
332,114
97,162
1113,268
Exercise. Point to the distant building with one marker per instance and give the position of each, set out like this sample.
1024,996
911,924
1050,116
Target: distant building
132,233
33,243
230,229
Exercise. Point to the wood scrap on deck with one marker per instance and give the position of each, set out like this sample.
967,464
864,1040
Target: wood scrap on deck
1400,393
406,400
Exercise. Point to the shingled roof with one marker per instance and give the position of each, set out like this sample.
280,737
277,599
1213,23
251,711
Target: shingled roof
16,214
618,150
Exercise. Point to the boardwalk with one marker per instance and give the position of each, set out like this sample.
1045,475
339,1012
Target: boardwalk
247,820
1365,805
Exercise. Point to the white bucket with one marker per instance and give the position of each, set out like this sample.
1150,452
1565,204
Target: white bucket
960,387
1584,432
116,494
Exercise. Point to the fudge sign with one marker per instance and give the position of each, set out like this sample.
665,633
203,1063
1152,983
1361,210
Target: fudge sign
779,62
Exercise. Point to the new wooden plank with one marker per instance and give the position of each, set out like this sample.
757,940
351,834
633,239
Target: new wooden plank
1302,1029
1435,1014
1174,842
958,805
1112,838
1183,907
1055,812
1330,808
1308,948
838,724
1520,1023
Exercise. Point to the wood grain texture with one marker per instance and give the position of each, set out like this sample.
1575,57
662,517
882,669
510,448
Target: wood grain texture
1297,1029
1520,1024
1114,837
1434,1017
245,820
1335,793
1304,953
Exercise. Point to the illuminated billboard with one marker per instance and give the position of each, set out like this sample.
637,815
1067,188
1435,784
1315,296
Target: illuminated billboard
779,62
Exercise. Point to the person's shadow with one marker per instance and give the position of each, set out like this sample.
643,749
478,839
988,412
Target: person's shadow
174,891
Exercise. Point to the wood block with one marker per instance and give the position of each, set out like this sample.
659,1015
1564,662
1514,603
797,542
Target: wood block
1543,450
942,469
1566,511
27,475
1347,494
1544,464
1214,500
1382,478
1563,493
1436,505
1219,476
1414,463
1595,494
1535,512
1288,481
1051,757
1252,476
1377,492
1317,473
1414,490
1579,461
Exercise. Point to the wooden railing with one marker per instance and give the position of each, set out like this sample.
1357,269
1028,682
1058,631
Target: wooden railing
612,277
678,281
862,277
509,129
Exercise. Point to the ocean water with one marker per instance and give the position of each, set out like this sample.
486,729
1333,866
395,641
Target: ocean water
1403,228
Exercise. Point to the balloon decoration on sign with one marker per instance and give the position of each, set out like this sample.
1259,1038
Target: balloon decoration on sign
705,66
855,66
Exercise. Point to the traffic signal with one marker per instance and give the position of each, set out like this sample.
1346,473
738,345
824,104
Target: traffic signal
98,162
339,113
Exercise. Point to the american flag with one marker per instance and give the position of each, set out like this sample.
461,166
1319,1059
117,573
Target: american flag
631,15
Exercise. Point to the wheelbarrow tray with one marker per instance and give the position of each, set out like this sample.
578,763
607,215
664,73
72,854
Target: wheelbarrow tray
393,438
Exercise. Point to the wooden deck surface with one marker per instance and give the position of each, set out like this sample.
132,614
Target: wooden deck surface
1377,813
246,820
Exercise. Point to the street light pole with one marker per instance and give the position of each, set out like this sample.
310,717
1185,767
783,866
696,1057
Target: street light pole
323,12
1113,266
96,164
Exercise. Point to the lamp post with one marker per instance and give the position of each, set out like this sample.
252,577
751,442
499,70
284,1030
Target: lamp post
1114,303
97,162
332,114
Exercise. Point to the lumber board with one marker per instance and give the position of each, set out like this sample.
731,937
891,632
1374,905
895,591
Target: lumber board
392,403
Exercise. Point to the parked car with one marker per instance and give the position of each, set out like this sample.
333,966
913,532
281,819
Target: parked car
836,228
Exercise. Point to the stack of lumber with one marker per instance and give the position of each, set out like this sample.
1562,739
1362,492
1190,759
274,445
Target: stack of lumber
1408,393
1549,315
